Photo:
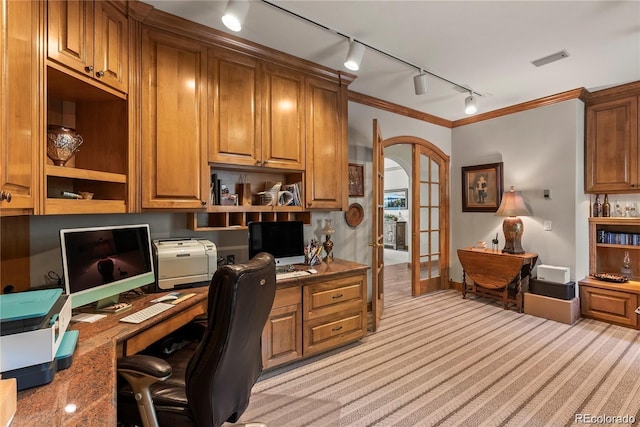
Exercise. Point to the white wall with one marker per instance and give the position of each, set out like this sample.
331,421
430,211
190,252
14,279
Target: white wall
540,149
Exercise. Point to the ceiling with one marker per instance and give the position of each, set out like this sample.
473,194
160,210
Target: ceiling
485,45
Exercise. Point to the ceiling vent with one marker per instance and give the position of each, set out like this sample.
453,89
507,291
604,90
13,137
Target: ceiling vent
551,58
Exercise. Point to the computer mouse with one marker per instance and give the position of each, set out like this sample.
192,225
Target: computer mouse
168,297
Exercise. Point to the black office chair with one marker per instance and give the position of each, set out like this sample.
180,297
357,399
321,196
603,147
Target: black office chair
206,383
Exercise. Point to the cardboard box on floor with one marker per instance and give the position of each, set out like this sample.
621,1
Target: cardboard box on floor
565,311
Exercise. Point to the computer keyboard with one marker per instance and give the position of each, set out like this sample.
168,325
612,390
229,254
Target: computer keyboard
147,313
290,274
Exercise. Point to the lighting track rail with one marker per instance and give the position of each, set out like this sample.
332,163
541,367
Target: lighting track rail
420,69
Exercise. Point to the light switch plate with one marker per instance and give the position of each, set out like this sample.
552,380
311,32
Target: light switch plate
547,226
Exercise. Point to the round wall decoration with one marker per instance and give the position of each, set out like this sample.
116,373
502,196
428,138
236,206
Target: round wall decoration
354,214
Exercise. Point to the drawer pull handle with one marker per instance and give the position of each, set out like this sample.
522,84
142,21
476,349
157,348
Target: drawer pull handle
337,296
336,329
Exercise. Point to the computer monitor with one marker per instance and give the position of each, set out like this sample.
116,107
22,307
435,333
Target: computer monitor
282,239
99,263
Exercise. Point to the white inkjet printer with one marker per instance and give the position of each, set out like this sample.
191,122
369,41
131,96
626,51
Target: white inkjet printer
182,263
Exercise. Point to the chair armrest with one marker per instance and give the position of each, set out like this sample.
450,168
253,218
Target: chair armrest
145,365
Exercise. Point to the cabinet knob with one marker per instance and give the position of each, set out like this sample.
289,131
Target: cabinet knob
99,74
203,203
265,162
5,196
258,162
88,68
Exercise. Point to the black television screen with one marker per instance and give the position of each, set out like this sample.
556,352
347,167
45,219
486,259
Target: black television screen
282,239
101,262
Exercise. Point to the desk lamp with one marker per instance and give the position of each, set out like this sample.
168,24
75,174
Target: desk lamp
328,230
511,206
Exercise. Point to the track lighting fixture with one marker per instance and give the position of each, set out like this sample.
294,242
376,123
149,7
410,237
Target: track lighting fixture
470,104
234,14
354,56
420,83
356,52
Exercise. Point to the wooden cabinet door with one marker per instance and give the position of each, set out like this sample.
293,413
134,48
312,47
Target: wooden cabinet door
234,113
325,145
111,56
282,334
612,146
20,114
283,139
70,33
174,159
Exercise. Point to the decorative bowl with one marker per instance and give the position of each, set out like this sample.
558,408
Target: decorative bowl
62,143
85,195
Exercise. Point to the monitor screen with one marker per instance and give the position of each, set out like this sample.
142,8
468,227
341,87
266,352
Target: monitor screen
101,262
282,239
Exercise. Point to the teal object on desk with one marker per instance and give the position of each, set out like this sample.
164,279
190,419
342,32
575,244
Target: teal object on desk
28,304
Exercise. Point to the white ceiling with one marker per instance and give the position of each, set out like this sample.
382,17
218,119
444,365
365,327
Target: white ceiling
485,45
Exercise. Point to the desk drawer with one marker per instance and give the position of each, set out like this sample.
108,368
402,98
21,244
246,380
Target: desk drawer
330,332
321,299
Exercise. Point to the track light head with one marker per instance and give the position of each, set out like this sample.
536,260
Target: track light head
235,13
420,83
354,56
470,104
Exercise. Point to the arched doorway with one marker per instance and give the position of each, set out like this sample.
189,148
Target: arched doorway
429,213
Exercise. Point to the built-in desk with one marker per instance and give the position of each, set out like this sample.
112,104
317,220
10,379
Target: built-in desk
334,313
90,382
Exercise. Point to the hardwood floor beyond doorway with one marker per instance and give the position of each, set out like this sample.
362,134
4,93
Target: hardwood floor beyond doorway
397,284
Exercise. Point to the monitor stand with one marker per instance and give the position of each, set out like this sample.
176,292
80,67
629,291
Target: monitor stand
107,301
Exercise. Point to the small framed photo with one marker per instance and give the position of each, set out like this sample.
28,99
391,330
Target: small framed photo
482,187
356,180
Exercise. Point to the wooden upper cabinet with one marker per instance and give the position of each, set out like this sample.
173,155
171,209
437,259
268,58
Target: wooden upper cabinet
326,145
233,109
256,112
174,158
19,116
91,38
283,139
611,151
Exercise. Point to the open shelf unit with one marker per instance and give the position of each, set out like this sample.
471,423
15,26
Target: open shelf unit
101,165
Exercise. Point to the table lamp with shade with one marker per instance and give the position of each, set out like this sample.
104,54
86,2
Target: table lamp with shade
511,207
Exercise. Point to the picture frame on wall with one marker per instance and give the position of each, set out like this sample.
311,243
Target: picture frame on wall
396,199
356,180
482,187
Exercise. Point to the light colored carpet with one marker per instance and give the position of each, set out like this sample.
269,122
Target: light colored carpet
442,360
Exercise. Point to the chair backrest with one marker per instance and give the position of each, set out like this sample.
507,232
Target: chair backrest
228,360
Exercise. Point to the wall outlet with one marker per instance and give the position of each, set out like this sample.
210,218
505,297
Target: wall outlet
547,226
231,259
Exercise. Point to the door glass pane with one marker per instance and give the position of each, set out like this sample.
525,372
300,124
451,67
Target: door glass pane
435,219
435,195
435,242
424,194
424,218
424,243
435,172
425,270
424,168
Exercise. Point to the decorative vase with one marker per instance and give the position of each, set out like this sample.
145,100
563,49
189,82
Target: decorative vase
62,143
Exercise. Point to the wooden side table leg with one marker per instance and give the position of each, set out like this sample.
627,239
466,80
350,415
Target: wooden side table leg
519,302
464,284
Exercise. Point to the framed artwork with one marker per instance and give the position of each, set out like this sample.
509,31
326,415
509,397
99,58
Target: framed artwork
356,180
482,187
395,199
